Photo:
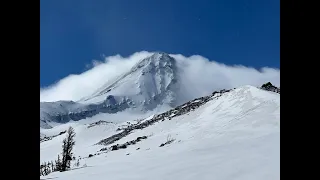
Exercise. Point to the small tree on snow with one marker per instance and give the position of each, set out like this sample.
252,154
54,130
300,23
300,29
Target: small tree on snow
45,170
67,147
58,164
77,164
52,167
41,170
48,168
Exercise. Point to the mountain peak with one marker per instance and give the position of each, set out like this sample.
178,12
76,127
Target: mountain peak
157,60
151,82
160,54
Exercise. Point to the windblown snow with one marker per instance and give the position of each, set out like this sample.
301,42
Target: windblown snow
229,135
151,85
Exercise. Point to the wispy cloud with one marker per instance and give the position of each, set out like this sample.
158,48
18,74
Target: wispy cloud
202,76
199,75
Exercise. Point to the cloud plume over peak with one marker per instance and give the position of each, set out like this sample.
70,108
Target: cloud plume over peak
199,75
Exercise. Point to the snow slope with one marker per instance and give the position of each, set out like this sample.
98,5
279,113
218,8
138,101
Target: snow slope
151,77
152,83
234,136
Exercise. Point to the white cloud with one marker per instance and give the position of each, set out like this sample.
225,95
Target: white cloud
200,75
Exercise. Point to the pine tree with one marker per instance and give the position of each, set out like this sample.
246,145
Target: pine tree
77,164
52,166
45,172
67,147
48,167
41,170
58,164
69,162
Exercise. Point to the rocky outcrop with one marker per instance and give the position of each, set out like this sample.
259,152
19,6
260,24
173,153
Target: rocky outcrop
62,113
125,145
98,123
180,110
47,138
269,87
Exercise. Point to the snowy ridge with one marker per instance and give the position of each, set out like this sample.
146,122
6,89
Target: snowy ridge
151,78
229,135
180,110
149,84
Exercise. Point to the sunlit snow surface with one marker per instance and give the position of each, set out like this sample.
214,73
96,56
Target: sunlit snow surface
236,136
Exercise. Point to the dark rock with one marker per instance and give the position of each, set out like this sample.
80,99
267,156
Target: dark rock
143,137
114,148
62,132
266,85
90,155
179,110
123,146
104,149
269,87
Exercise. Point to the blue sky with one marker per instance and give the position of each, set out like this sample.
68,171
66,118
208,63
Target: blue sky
73,33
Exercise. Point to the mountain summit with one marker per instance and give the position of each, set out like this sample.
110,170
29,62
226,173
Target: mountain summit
153,84
148,79
150,83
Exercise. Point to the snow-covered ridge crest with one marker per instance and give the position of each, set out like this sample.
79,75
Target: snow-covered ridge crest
237,132
148,78
156,83
152,82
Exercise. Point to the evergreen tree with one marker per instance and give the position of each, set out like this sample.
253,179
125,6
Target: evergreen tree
77,164
41,170
48,167
58,164
52,166
45,172
67,147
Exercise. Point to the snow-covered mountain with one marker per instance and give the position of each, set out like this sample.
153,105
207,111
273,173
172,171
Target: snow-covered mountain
152,83
146,124
229,134
153,78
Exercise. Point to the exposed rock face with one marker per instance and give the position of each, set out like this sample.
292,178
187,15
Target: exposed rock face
98,123
269,87
125,145
179,110
64,111
47,138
